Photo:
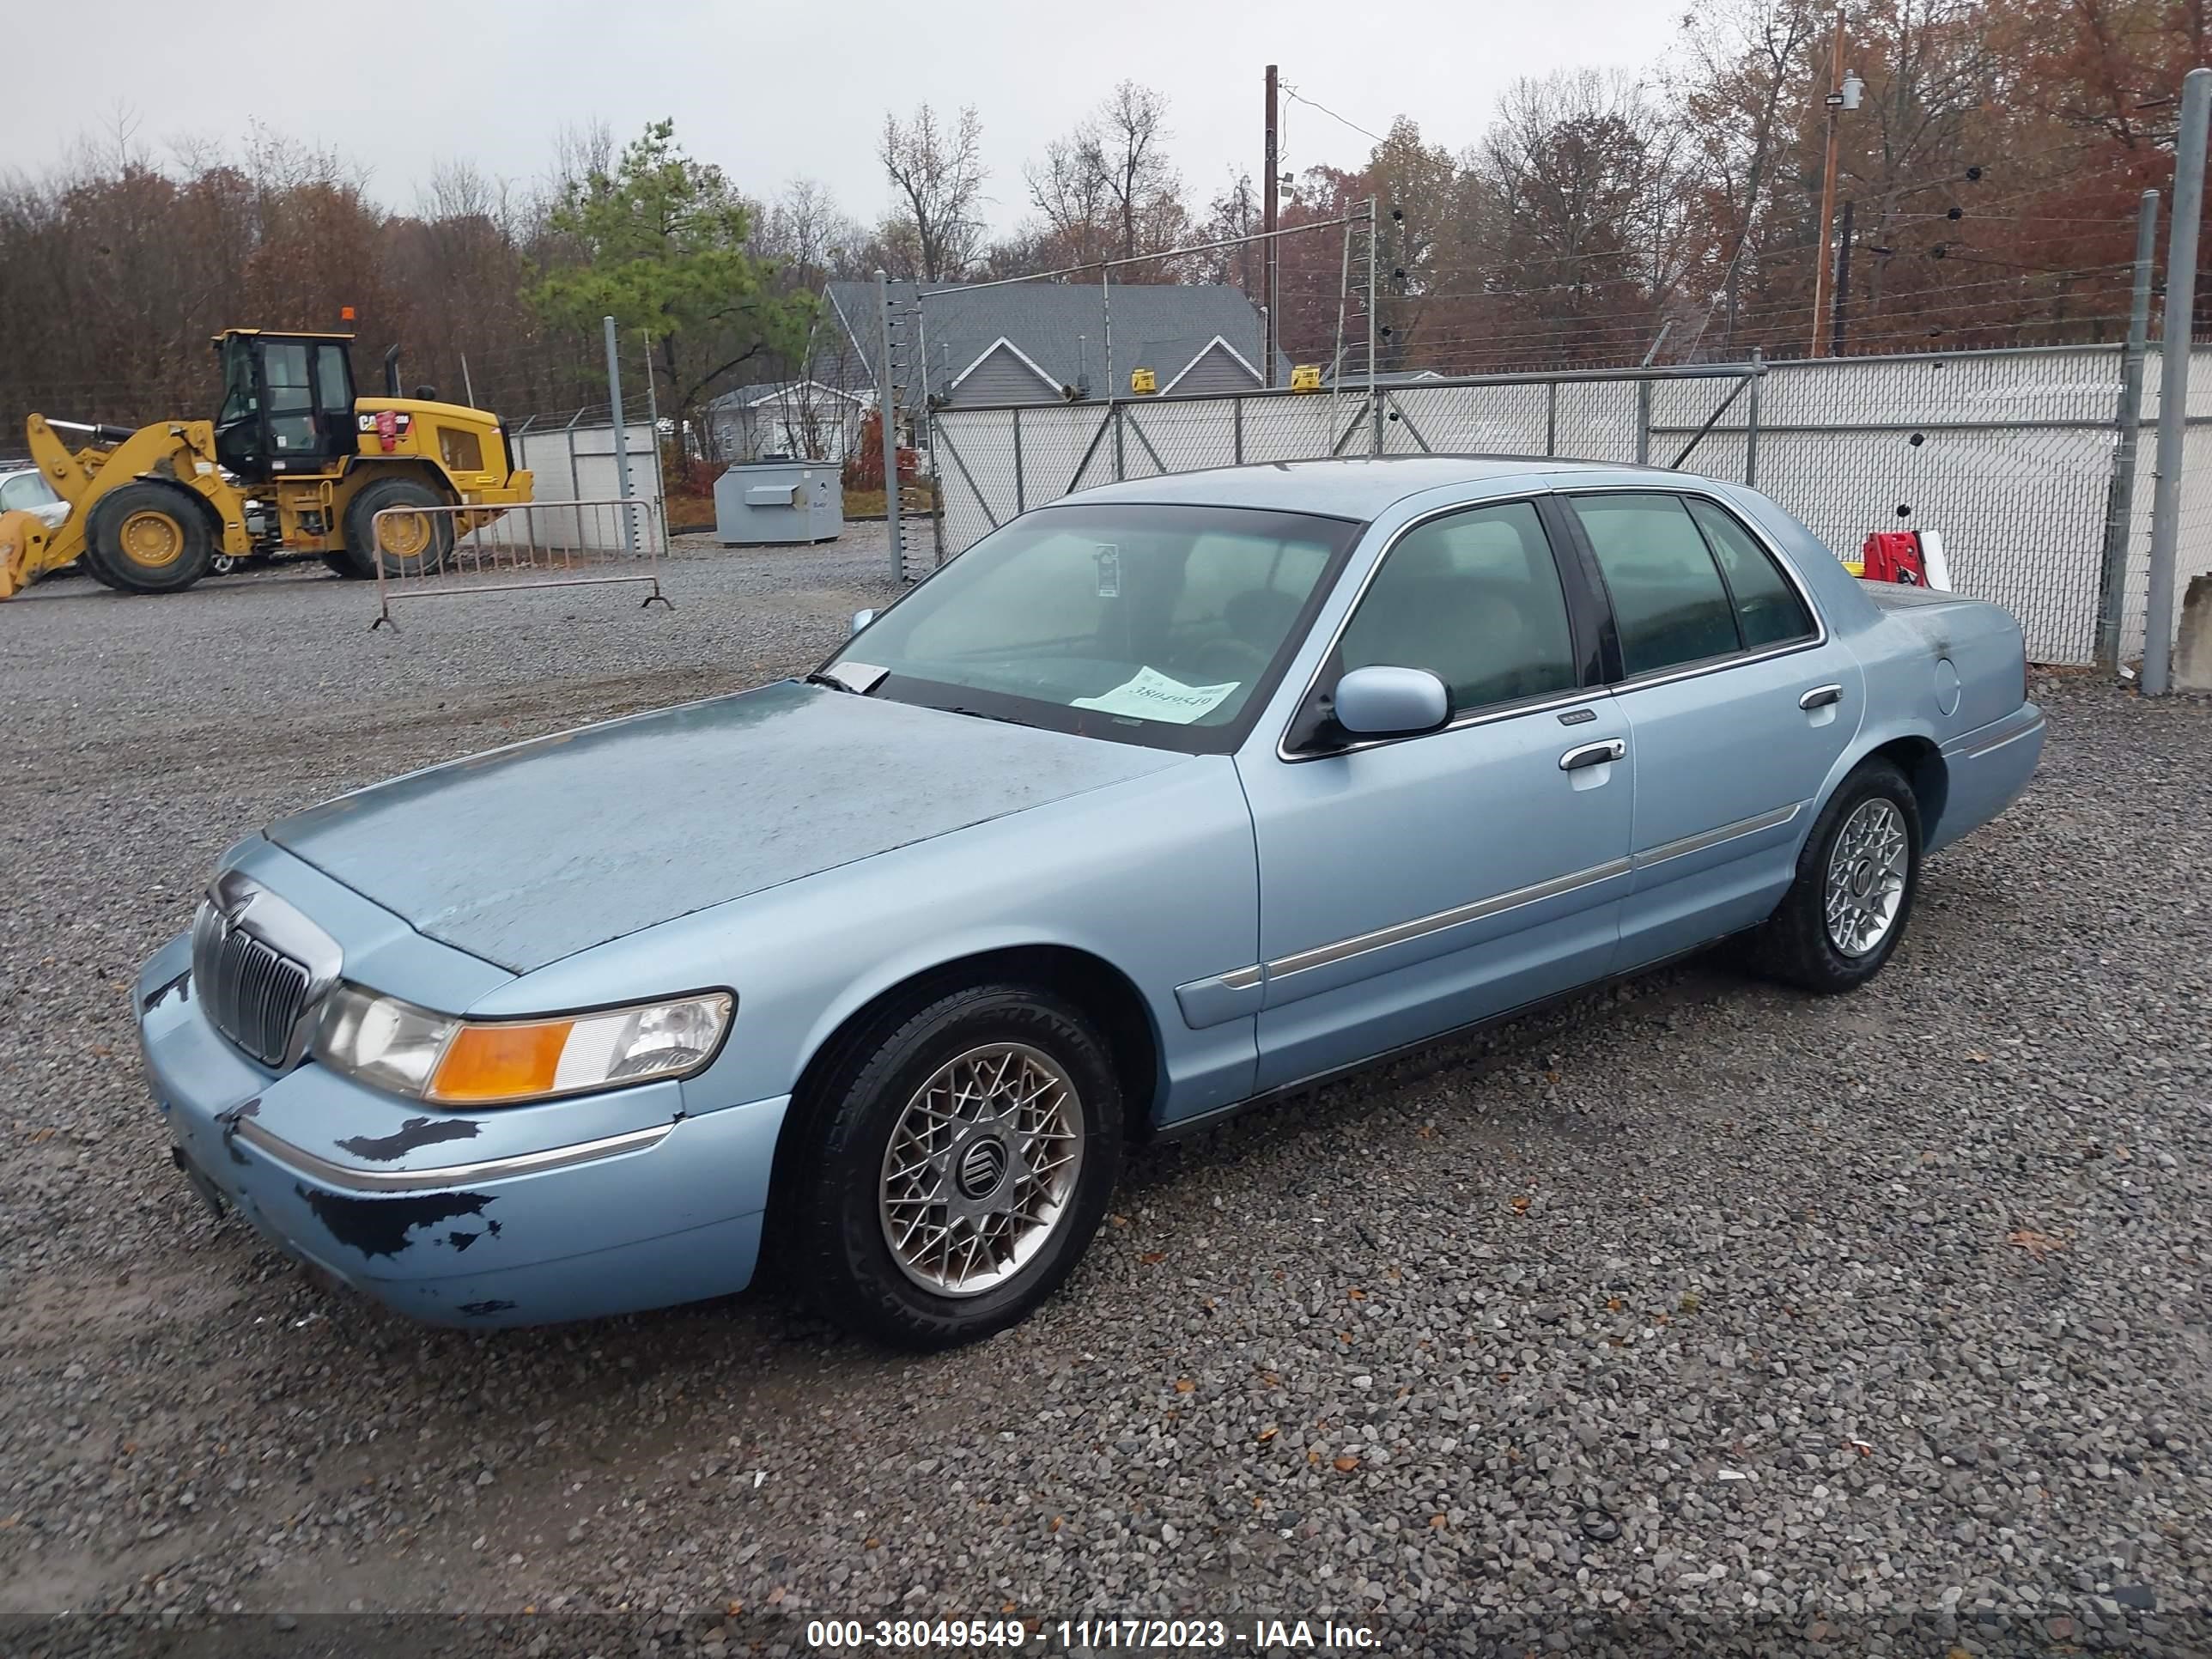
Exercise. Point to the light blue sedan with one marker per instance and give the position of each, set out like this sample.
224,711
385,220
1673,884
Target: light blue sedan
1156,803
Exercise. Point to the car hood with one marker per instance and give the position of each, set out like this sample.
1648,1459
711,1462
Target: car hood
526,854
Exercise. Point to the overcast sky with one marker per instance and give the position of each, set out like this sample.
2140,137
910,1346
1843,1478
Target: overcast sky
774,88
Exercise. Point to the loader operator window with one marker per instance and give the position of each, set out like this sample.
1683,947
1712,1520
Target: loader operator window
334,380
291,398
237,385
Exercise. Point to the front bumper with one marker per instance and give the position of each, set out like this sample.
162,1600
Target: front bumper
572,1209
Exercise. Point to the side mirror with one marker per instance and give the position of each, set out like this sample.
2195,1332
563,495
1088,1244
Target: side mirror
861,619
1391,703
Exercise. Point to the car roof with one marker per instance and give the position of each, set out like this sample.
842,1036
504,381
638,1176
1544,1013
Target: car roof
1356,487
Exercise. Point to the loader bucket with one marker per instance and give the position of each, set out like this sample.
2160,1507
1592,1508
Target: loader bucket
24,551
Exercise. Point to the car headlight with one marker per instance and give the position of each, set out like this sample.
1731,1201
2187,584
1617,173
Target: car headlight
395,1045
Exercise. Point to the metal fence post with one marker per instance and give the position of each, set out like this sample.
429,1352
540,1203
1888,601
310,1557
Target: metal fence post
2120,499
929,423
1236,422
1120,468
1374,398
652,426
622,433
1643,422
1550,418
1021,494
1751,421
2174,377
886,419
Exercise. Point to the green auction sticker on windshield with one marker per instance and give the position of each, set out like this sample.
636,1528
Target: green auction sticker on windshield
1149,695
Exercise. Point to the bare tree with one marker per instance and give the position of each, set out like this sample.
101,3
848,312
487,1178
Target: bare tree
938,174
1129,136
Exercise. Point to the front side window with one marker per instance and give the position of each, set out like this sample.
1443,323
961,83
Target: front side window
1475,599
1164,625
291,397
1669,603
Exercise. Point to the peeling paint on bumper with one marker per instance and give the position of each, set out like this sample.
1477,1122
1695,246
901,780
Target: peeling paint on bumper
677,1220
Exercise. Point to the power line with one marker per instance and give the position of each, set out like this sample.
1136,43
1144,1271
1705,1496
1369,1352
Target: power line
1295,96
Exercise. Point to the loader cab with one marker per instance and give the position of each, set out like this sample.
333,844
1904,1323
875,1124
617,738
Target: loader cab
286,403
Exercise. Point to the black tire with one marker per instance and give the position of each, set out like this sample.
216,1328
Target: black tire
832,1240
87,560
1796,944
342,564
436,539
148,537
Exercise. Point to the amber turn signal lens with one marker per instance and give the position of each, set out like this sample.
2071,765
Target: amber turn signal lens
500,1062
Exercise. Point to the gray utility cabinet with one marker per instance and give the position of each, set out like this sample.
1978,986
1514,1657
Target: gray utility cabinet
763,501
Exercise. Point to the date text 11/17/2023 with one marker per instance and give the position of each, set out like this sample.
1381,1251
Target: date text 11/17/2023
1125,1635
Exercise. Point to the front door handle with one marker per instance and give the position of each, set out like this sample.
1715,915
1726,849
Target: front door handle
1592,754
1820,696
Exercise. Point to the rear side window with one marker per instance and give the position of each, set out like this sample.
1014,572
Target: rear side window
1474,599
1668,601
1768,611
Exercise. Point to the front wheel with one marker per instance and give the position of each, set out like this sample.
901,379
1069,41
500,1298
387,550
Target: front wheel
1856,878
954,1163
148,537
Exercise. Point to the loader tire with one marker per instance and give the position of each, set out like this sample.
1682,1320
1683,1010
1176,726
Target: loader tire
342,564
148,537
415,546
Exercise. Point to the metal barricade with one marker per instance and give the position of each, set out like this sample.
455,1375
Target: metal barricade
451,552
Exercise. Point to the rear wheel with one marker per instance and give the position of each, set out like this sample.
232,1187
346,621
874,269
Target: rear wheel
1857,877
148,537
414,544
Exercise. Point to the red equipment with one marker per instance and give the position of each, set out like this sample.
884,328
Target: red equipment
1891,555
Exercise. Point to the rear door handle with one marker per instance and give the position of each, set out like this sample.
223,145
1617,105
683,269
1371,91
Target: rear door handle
1592,754
1820,696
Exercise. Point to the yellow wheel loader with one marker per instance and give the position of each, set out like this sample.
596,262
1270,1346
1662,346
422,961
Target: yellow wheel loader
293,463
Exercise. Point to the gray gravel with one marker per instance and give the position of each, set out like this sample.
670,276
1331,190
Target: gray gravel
1700,1312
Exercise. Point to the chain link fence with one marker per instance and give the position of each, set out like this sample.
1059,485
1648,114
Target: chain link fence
2012,456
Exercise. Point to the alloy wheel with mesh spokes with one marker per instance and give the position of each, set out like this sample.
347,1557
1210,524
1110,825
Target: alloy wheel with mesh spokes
1852,896
949,1161
1867,872
980,1168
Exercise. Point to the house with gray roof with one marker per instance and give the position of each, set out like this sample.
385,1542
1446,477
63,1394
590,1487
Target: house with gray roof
1034,343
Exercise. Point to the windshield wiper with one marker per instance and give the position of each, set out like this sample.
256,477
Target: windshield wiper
977,714
817,678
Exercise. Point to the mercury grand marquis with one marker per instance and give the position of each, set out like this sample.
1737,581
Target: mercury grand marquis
1157,802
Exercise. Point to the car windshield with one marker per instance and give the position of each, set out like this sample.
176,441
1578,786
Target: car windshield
1164,625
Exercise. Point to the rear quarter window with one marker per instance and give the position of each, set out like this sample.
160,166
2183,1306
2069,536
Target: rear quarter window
1768,610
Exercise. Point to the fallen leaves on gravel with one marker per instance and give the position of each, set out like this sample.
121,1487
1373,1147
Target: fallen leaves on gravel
2038,1245
1345,1465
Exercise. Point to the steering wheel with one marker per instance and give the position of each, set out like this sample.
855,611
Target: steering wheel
1221,659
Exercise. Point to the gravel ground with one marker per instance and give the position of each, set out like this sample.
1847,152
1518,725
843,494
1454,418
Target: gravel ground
1699,1313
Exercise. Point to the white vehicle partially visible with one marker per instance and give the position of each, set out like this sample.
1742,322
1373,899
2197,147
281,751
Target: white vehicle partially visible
24,489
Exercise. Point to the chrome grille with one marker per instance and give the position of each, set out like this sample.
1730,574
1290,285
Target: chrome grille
254,993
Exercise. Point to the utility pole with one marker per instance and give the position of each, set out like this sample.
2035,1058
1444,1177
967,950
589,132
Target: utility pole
1843,94
1843,284
1270,327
